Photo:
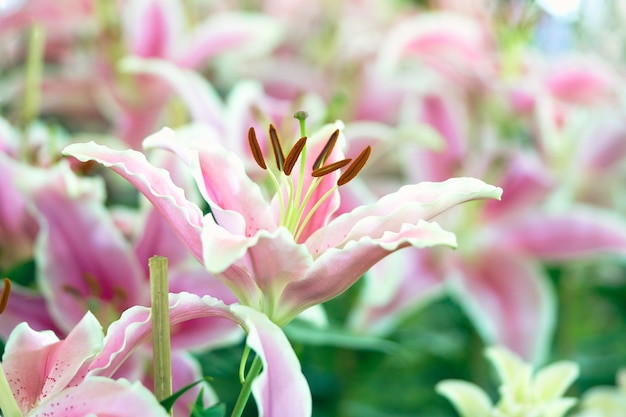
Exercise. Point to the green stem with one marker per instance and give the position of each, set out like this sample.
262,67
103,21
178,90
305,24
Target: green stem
8,405
160,328
246,388
32,78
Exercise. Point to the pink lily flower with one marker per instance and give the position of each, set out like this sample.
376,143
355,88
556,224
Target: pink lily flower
44,377
281,388
282,254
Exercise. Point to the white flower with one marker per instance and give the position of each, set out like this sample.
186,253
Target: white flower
522,394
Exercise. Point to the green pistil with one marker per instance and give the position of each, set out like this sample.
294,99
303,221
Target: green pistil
302,116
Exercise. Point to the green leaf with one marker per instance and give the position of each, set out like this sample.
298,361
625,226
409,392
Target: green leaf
168,402
198,410
333,336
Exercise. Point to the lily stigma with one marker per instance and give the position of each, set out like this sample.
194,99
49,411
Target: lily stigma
293,206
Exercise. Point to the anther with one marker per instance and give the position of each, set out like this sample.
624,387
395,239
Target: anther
327,169
328,148
355,167
278,150
4,298
255,148
92,284
292,158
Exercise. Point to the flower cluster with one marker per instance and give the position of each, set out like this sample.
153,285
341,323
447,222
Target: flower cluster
321,174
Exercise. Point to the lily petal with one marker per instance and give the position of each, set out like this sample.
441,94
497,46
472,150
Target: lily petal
409,204
53,364
80,252
235,200
203,102
578,232
156,184
509,300
468,399
247,33
336,269
280,389
103,396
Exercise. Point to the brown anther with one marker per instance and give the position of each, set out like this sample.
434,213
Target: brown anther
328,148
292,158
255,148
327,169
119,294
4,298
92,284
73,291
278,150
355,167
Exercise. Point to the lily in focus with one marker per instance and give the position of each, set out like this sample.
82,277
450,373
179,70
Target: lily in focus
276,244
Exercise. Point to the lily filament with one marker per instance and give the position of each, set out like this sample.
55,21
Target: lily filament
294,204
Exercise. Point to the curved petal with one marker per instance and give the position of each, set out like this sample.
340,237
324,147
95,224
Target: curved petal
235,200
551,382
272,260
280,389
135,328
509,300
52,363
203,102
575,233
103,396
468,399
156,184
246,33
203,333
411,203
81,254
335,270
151,26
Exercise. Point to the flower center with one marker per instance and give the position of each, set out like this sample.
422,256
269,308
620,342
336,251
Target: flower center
106,309
295,208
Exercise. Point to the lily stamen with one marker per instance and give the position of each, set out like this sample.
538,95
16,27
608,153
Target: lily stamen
255,148
292,158
354,168
328,148
293,205
278,150
4,298
327,169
